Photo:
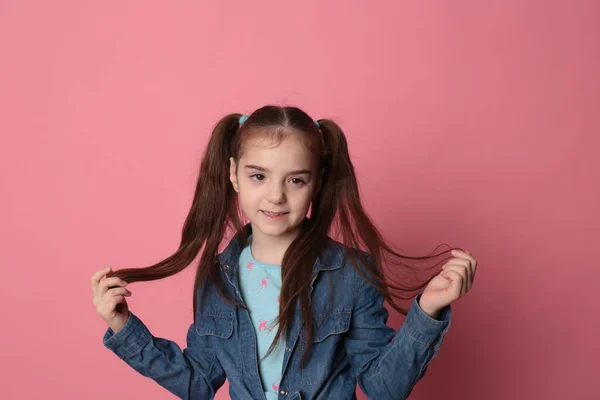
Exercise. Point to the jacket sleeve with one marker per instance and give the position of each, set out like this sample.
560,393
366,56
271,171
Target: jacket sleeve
387,365
191,373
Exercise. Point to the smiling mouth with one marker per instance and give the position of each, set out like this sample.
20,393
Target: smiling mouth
273,214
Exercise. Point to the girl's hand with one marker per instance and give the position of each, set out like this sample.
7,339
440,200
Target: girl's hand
455,280
110,303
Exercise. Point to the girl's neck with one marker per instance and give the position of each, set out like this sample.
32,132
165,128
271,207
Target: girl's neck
270,249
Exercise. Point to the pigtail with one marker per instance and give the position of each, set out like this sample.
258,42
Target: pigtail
212,210
341,198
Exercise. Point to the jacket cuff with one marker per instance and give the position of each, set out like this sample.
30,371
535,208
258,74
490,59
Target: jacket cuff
130,339
424,328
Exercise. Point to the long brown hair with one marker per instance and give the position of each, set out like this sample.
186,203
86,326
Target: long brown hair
336,210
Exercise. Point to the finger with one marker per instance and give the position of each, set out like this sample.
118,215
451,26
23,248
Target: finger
106,307
459,261
110,307
471,265
457,274
468,264
464,268
457,281
107,283
116,300
118,291
466,255
97,276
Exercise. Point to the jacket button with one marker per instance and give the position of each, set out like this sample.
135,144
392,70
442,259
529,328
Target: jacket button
283,392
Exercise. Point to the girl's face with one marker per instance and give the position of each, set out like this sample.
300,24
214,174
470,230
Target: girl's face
272,179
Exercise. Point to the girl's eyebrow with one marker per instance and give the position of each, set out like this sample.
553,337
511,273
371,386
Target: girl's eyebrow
297,172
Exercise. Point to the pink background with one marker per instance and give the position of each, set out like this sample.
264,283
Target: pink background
469,123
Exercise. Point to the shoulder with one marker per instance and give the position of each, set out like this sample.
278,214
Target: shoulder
350,262
338,254
352,280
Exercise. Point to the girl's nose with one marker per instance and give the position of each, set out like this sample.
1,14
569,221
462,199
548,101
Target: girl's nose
277,195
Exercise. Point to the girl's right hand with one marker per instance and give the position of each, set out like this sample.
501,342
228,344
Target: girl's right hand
110,303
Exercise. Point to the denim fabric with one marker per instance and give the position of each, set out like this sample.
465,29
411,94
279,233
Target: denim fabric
352,343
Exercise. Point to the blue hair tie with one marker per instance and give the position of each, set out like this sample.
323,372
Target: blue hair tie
243,119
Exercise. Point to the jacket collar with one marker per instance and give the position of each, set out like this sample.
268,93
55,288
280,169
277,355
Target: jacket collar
330,258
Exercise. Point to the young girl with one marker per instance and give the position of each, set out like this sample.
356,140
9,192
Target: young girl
284,311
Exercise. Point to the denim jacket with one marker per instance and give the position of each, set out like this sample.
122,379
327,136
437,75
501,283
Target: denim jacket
352,343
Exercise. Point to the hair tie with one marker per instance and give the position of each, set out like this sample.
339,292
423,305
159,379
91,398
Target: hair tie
243,119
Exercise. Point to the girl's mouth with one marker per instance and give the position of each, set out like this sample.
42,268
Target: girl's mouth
271,215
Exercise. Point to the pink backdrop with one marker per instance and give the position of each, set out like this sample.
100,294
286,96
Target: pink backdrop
470,123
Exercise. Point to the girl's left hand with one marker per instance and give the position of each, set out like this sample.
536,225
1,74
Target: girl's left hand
452,283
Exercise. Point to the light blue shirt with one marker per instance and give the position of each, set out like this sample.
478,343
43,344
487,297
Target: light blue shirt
260,285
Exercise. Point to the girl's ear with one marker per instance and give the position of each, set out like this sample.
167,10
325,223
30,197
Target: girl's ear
232,174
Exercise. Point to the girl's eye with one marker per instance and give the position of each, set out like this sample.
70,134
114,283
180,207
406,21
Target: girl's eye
298,181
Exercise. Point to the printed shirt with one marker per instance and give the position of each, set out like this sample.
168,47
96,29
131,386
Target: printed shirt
260,285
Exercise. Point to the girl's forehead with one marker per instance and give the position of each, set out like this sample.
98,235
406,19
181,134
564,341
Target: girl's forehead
284,148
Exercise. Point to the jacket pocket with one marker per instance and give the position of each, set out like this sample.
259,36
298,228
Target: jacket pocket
323,356
215,331
216,323
334,324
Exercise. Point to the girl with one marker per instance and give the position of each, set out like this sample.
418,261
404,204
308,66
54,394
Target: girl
284,311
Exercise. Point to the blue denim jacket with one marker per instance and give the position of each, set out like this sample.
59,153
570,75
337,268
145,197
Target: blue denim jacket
351,344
